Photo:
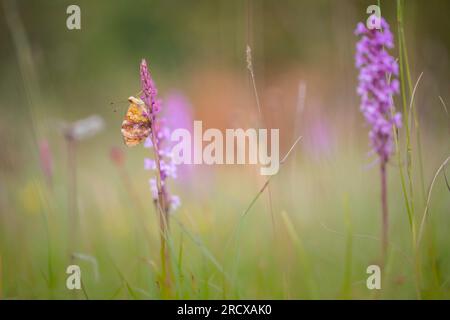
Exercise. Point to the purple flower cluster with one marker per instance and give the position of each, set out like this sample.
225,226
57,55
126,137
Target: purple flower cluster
161,135
149,91
377,85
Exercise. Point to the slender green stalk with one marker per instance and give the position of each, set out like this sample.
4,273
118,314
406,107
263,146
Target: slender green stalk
163,210
404,77
405,105
403,182
262,121
414,112
399,157
419,146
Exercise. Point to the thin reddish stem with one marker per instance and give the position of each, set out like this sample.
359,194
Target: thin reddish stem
385,216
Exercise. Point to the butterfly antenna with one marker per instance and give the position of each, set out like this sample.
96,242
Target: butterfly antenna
111,103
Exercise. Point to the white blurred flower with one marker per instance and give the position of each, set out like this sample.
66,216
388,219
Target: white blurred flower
85,128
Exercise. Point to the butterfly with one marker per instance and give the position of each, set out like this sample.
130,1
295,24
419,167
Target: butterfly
136,126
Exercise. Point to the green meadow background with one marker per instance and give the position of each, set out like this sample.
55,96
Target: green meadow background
310,235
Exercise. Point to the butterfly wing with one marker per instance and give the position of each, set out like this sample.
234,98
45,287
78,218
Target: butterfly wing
136,125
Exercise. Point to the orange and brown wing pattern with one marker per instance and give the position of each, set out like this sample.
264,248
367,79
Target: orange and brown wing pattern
136,125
